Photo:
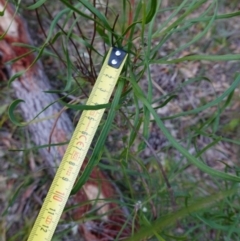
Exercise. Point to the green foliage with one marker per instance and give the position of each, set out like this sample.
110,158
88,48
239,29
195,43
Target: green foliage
188,206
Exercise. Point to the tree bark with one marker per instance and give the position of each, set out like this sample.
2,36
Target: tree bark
30,87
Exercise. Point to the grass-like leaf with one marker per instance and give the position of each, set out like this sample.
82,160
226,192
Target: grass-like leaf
224,176
164,222
38,4
97,152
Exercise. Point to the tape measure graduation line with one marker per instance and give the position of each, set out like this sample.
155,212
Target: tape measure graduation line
68,170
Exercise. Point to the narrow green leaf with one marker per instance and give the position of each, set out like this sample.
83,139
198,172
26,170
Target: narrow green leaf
221,16
208,146
105,37
226,57
211,103
137,123
11,110
54,23
165,221
152,11
138,92
195,5
12,117
41,146
15,76
97,152
199,35
85,107
170,18
166,102
97,13
86,43
75,9
14,197
36,5
69,70
129,27
134,132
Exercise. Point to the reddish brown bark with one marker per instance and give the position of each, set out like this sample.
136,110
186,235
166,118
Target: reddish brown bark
112,216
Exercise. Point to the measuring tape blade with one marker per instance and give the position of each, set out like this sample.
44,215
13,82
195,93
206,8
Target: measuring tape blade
75,154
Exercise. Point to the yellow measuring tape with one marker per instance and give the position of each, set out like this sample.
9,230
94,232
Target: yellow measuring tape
68,170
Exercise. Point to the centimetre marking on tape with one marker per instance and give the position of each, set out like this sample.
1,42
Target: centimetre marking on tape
75,154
